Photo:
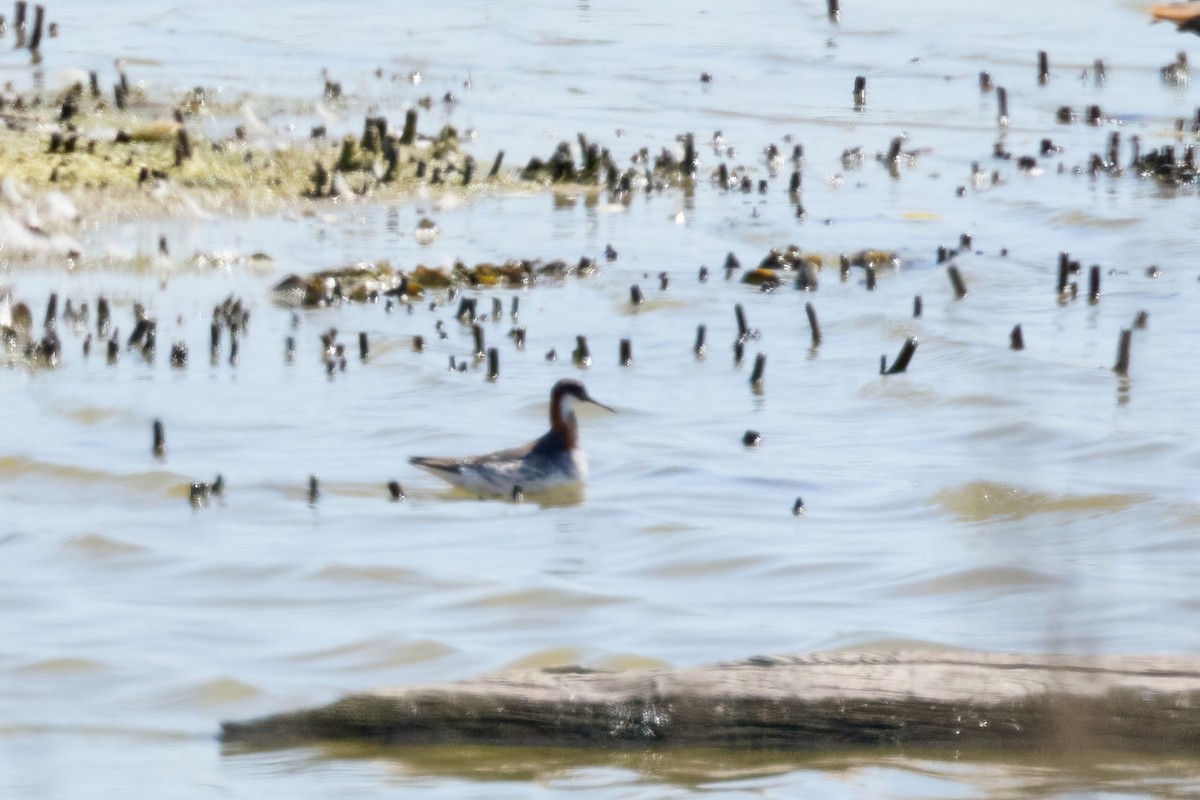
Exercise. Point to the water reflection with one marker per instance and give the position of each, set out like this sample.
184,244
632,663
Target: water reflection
1046,774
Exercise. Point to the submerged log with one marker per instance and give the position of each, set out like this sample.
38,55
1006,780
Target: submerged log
911,698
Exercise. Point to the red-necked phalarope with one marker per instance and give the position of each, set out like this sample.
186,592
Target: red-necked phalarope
553,461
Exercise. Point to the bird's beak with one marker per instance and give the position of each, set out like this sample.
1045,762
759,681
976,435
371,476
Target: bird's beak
598,403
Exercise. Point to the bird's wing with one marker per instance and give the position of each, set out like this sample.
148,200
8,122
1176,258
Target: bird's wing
491,472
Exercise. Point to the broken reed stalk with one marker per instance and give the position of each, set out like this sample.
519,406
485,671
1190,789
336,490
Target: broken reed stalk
917,307
902,360
1043,68
199,494
182,146
466,310
364,347
740,314
760,366
493,357
806,279
700,347
731,261
581,355
103,318
121,91
626,353
477,335
496,164
51,312
813,325
19,22
960,288
160,440
149,344
1122,365
1094,284
1064,271
39,17
893,154
409,134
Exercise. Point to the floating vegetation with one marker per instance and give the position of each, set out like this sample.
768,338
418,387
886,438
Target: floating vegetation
876,258
1164,166
368,282
136,155
358,283
19,340
782,264
596,166
130,154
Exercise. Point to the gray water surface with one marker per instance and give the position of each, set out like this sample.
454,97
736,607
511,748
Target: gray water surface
1028,501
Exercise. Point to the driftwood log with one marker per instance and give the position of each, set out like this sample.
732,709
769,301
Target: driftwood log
1186,16
908,698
